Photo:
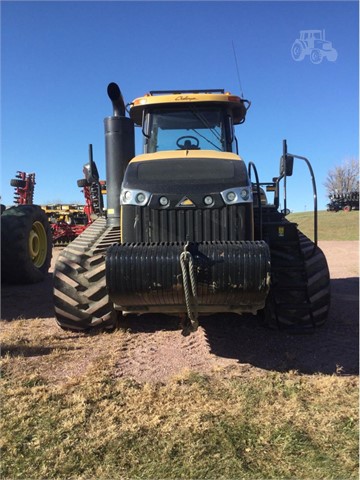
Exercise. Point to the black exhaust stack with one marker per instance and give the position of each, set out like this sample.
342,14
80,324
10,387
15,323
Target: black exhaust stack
119,150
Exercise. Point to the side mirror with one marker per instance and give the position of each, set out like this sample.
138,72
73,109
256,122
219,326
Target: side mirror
90,170
286,165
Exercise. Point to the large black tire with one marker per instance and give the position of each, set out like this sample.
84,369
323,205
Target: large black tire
26,244
299,298
80,295
318,280
16,182
83,183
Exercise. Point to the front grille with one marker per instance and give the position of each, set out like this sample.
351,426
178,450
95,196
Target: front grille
213,224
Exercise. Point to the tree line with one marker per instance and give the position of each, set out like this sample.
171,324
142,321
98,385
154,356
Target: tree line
343,179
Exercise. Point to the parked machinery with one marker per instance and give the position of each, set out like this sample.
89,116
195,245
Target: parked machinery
187,231
69,221
26,244
66,221
343,201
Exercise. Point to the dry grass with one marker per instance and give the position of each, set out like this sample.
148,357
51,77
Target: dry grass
65,415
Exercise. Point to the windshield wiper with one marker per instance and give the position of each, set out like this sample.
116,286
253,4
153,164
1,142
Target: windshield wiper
204,121
209,141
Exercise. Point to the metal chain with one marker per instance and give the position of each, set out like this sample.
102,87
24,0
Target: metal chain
190,290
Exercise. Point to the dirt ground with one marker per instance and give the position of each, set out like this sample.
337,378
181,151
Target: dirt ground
151,348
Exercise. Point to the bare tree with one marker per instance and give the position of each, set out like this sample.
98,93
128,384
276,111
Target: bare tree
344,178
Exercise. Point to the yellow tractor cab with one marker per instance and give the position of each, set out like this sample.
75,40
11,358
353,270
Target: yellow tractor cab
189,120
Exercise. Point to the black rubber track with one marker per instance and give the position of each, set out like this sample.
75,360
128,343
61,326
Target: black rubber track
80,295
299,298
17,266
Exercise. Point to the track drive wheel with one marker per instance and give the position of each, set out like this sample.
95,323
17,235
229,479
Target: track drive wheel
26,244
80,295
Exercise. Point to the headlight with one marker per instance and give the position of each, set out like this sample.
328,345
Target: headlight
127,196
244,193
163,201
231,196
208,200
134,197
140,198
237,195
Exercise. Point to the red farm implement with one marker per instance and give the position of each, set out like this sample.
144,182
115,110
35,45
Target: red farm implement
26,243
24,184
69,221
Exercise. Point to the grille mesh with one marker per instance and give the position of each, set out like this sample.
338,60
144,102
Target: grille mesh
213,224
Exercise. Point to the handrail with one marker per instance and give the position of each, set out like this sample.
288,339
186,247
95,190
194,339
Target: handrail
315,197
252,165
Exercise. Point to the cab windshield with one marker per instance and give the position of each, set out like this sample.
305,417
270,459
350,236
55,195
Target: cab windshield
193,128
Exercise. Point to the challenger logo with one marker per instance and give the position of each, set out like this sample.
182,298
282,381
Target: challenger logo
185,202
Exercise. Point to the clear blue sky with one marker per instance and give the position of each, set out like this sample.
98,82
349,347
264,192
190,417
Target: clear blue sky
58,58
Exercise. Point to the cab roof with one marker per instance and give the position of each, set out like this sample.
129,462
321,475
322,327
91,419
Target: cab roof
174,98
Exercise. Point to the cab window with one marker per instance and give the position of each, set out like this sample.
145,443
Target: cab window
193,128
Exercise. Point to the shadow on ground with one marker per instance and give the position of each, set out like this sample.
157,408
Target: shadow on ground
333,348
26,350
27,301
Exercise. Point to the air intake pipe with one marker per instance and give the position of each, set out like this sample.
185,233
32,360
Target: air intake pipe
119,150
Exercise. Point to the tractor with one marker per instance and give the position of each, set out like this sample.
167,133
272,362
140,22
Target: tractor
313,43
189,230
26,243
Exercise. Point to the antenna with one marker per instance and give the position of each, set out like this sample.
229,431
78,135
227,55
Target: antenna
237,68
